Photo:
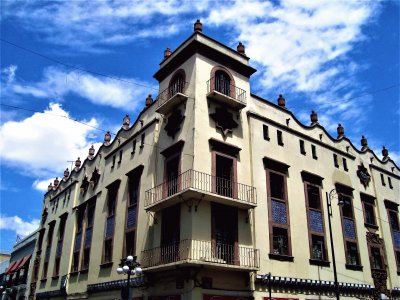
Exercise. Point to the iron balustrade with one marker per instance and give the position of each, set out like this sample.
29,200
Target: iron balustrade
170,92
192,179
226,88
201,251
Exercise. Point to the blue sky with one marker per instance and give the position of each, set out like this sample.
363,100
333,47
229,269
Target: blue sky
339,58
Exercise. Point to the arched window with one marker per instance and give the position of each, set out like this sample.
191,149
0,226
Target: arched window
222,82
177,84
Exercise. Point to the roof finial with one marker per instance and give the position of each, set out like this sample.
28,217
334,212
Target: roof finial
198,26
313,118
240,48
340,131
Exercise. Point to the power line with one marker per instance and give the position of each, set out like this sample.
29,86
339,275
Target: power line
74,67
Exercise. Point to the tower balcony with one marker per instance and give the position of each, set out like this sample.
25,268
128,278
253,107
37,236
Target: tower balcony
201,253
226,93
192,184
171,96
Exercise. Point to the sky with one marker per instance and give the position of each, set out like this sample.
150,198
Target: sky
93,62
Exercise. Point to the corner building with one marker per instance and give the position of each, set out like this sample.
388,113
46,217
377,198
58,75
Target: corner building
219,192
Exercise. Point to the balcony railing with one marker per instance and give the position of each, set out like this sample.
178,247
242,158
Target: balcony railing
202,252
169,96
195,180
227,89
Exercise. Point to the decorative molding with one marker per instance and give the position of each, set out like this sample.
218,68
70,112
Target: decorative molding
174,122
363,175
223,120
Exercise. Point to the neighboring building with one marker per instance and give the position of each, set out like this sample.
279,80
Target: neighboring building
16,275
4,256
220,192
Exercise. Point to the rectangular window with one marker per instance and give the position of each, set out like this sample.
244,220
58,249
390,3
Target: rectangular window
110,222
279,137
278,212
133,147
266,132
345,164
113,162
88,233
349,227
302,149
61,230
131,214
315,218
314,152
393,217
369,215
142,140
383,180
80,214
376,258
335,161
48,249
120,157
390,182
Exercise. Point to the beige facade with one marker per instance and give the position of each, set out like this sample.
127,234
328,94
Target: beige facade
219,192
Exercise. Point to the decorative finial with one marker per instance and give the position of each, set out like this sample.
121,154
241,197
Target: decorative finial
167,53
340,131
50,187
77,164
313,118
240,48
56,182
198,26
281,101
385,153
126,121
91,152
149,100
66,173
364,143
107,138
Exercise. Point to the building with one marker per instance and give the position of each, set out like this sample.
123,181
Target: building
15,277
219,192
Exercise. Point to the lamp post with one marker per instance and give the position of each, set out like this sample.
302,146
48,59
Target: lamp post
130,267
333,193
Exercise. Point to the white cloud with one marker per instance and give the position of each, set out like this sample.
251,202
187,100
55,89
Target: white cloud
15,223
41,144
56,83
88,26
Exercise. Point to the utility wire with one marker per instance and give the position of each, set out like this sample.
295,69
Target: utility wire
74,67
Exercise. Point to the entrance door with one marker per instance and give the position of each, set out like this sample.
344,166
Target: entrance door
224,175
224,233
170,234
172,176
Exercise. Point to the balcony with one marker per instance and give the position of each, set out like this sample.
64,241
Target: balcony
170,97
226,93
198,185
206,253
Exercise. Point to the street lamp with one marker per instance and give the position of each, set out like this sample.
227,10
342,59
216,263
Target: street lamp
332,194
130,267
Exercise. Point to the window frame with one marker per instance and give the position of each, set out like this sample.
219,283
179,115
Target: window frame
47,253
112,189
272,225
60,243
266,132
314,152
279,137
392,209
311,233
135,176
344,191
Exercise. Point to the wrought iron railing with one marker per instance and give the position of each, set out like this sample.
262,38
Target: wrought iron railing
192,179
226,88
201,251
169,92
